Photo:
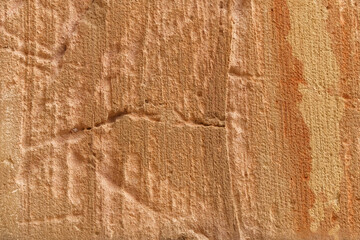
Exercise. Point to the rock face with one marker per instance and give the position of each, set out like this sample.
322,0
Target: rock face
159,119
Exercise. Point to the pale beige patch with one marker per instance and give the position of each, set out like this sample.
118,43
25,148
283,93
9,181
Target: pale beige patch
321,110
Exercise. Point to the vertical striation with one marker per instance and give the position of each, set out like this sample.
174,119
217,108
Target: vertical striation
181,119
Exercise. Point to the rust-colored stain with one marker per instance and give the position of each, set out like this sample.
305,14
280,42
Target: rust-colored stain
295,129
342,26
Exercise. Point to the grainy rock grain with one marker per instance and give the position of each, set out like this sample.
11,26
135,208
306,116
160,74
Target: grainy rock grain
179,119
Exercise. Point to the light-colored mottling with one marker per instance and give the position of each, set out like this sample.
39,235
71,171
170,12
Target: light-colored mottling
321,106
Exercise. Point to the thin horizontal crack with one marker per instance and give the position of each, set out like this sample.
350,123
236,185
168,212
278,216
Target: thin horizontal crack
77,133
159,119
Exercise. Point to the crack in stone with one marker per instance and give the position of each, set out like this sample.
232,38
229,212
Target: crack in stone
77,133
160,119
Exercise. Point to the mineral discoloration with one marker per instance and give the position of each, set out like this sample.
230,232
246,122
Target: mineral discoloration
342,26
289,100
321,106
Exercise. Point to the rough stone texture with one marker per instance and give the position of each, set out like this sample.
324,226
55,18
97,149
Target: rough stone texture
179,119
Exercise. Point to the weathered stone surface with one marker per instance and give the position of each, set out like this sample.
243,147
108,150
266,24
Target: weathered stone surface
220,119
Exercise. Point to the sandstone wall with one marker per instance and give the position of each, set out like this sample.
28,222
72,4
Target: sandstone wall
179,119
